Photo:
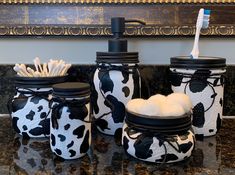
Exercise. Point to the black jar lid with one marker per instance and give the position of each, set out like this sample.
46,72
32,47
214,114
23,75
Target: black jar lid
203,62
71,89
38,82
117,57
157,124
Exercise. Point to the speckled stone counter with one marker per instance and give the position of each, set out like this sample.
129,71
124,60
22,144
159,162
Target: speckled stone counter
214,155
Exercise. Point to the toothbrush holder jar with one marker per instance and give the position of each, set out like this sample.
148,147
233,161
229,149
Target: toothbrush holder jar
70,136
29,108
203,81
158,139
115,82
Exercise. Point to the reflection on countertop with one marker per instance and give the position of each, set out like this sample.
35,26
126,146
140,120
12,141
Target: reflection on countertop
214,155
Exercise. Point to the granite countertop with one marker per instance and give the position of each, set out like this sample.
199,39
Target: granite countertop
214,155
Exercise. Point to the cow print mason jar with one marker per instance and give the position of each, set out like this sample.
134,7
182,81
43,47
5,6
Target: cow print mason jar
70,136
116,81
29,107
158,139
202,80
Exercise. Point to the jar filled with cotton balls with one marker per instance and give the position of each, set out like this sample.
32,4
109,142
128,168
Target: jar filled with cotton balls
159,129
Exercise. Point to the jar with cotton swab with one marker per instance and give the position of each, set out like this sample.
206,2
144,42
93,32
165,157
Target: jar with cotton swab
30,106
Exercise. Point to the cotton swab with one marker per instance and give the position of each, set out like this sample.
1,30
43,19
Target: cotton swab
52,68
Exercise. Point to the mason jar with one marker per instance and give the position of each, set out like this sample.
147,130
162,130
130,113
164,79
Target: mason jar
116,81
29,108
70,136
158,139
203,81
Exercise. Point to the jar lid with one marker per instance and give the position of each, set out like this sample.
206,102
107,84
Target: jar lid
157,124
117,57
38,82
71,89
203,62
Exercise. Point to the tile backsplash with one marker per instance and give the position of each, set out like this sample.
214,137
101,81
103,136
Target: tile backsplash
154,80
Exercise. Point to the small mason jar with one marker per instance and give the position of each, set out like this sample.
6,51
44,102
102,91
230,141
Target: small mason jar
29,108
70,136
158,139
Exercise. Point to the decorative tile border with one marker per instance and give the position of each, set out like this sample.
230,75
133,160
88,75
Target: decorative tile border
55,18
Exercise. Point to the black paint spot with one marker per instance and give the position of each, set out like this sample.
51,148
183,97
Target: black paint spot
126,91
198,115
62,137
169,157
175,79
106,82
36,131
52,140
35,99
185,147
58,151
215,83
40,108
66,127
94,99
117,108
221,102
79,131
136,83
85,144
31,162
19,103
44,129
142,147
125,143
43,115
25,127
102,124
222,79
125,75
211,130
218,122
72,153
30,115
199,80
46,125
78,112
14,124
214,95
70,144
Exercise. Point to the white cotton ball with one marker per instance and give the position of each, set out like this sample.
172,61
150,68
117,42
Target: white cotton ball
135,104
158,99
172,109
181,99
149,108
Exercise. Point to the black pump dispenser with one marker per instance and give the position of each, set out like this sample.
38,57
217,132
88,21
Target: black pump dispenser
117,46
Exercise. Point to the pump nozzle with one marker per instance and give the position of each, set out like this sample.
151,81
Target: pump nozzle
117,44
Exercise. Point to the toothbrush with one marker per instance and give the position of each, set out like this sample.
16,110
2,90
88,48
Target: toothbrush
202,22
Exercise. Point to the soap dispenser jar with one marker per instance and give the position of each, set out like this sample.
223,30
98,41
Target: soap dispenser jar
115,81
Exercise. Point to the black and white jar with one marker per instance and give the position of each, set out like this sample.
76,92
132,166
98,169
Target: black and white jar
70,136
158,139
202,80
29,107
116,81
